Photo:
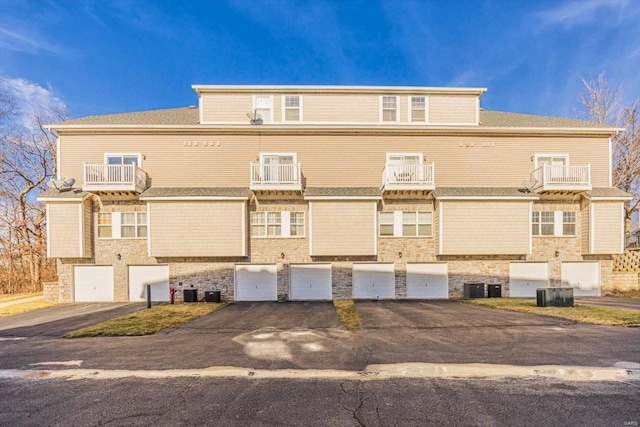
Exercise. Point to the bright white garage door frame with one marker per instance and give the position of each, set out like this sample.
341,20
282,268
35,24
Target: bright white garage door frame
428,280
93,283
526,277
310,282
373,281
583,277
155,275
256,282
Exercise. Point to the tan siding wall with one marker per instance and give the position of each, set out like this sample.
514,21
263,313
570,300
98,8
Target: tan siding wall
64,230
342,108
452,109
204,229
484,228
346,160
584,226
343,228
88,228
226,108
607,227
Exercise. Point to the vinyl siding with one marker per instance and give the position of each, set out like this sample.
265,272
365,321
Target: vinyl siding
453,109
64,231
343,228
226,108
584,227
342,108
88,228
202,229
485,227
333,160
607,226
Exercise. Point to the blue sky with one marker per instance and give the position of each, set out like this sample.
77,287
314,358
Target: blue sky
108,56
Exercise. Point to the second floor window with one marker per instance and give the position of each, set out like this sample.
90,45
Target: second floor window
263,105
122,225
277,224
292,108
389,108
553,223
418,109
406,224
122,159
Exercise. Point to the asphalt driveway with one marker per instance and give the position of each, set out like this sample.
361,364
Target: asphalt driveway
630,303
442,314
57,321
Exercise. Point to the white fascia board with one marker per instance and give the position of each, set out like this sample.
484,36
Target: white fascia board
48,230
343,197
191,198
57,200
339,89
471,198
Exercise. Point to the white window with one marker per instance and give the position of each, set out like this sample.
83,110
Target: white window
277,224
297,224
389,108
551,160
125,225
104,225
418,109
568,223
553,223
263,105
386,223
292,108
406,224
133,225
123,158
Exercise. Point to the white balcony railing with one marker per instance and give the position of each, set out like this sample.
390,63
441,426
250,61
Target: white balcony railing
408,176
560,177
268,176
99,177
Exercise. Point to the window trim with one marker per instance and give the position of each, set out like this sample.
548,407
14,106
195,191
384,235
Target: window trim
123,154
135,225
398,224
254,108
381,101
294,155
285,225
284,109
116,225
110,225
410,109
419,155
558,223
537,156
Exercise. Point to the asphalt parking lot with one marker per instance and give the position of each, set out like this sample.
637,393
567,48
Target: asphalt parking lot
629,303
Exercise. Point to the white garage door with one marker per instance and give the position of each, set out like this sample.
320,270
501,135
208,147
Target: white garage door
583,277
310,282
427,281
526,277
373,281
155,275
93,283
256,282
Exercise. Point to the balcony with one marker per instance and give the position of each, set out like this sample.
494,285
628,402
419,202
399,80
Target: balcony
114,178
268,176
398,176
561,178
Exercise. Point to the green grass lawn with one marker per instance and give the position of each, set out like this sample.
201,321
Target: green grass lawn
148,321
578,313
347,313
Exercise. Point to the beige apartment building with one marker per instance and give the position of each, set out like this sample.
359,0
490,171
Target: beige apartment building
327,192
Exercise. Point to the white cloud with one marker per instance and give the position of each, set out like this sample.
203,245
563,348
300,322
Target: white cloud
581,12
26,41
30,98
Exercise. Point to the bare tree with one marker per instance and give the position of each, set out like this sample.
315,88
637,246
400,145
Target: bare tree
27,161
603,104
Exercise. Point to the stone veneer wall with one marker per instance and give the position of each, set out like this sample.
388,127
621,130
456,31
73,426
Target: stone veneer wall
51,291
628,281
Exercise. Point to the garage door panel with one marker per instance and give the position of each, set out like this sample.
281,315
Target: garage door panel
155,275
526,277
256,282
427,281
93,283
373,281
310,282
583,277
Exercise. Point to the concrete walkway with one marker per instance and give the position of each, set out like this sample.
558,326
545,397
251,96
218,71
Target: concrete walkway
20,301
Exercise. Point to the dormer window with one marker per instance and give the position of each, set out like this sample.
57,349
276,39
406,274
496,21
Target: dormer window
389,108
263,105
292,108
